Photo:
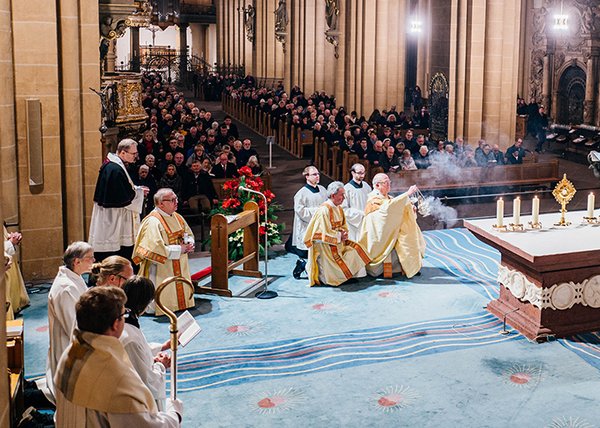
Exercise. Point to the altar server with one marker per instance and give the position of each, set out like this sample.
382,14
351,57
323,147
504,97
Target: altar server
357,193
306,202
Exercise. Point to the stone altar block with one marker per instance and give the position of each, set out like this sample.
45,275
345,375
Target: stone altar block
549,278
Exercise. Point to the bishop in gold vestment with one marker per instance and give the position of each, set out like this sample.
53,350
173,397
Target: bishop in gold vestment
333,258
390,233
161,249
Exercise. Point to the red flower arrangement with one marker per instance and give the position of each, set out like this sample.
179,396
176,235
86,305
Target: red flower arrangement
234,203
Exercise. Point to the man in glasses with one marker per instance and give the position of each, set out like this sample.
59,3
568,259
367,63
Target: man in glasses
161,249
117,205
96,385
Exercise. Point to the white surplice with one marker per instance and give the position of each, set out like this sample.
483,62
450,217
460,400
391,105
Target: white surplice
141,354
113,228
306,204
354,207
64,294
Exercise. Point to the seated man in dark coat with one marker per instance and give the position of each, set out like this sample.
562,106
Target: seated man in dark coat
199,191
224,169
515,153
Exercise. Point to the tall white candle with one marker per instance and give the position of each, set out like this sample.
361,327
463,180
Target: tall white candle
500,212
535,210
517,210
590,206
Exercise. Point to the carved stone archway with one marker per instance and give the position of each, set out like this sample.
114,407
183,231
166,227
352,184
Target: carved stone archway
571,95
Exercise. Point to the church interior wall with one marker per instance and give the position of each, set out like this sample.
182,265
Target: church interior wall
55,60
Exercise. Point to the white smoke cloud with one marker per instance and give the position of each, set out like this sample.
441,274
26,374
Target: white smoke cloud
432,206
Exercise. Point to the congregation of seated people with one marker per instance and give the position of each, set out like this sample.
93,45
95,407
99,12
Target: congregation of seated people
391,139
183,148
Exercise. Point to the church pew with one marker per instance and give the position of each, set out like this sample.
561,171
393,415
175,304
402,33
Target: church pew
431,179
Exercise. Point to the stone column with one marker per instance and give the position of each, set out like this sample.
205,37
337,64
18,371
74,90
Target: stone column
134,48
111,56
547,82
183,46
8,137
69,57
591,81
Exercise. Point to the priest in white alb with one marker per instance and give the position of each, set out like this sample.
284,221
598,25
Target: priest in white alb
332,257
357,193
390,232
161,249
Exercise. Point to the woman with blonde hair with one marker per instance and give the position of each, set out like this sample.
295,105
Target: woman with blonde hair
113,270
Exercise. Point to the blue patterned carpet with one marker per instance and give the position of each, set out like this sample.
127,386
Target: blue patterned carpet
382,353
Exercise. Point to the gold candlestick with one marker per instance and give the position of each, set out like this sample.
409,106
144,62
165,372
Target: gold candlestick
563,193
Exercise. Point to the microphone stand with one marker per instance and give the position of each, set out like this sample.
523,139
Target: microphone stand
265,294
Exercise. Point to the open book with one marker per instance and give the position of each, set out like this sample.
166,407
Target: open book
188,328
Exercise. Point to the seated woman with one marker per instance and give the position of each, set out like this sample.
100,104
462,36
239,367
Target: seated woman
407,162
113,270
256,168
172,180
147,359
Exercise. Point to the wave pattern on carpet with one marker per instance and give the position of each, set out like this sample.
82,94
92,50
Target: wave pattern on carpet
222,367
460,254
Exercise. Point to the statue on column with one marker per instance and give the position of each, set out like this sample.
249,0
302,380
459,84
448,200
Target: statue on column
281,22
332,13
250,22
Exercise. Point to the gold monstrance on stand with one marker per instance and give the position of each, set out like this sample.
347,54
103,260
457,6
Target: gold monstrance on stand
563,193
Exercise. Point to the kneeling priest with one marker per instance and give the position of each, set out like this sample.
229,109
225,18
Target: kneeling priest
333,258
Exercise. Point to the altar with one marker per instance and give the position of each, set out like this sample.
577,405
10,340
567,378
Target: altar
549,278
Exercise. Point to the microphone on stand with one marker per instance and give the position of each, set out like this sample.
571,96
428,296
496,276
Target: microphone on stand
265,294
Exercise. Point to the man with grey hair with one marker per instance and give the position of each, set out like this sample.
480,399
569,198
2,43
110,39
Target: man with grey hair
162,247
390,233
357,193
118,203
306,202
67,287
333,258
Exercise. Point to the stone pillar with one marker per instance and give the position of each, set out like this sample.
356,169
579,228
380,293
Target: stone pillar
70,60
8,137
134,48
547,82
591,81
183,46
111,56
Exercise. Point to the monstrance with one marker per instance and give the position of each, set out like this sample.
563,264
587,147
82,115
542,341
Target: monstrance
563,193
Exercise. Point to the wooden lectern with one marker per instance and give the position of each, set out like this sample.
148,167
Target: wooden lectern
220,231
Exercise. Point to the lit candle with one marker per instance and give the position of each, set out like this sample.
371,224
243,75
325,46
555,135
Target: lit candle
535,210
500,213
517,210
591,202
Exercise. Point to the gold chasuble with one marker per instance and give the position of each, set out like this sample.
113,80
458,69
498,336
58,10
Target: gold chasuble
390,231
16,293
331,261
158,253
